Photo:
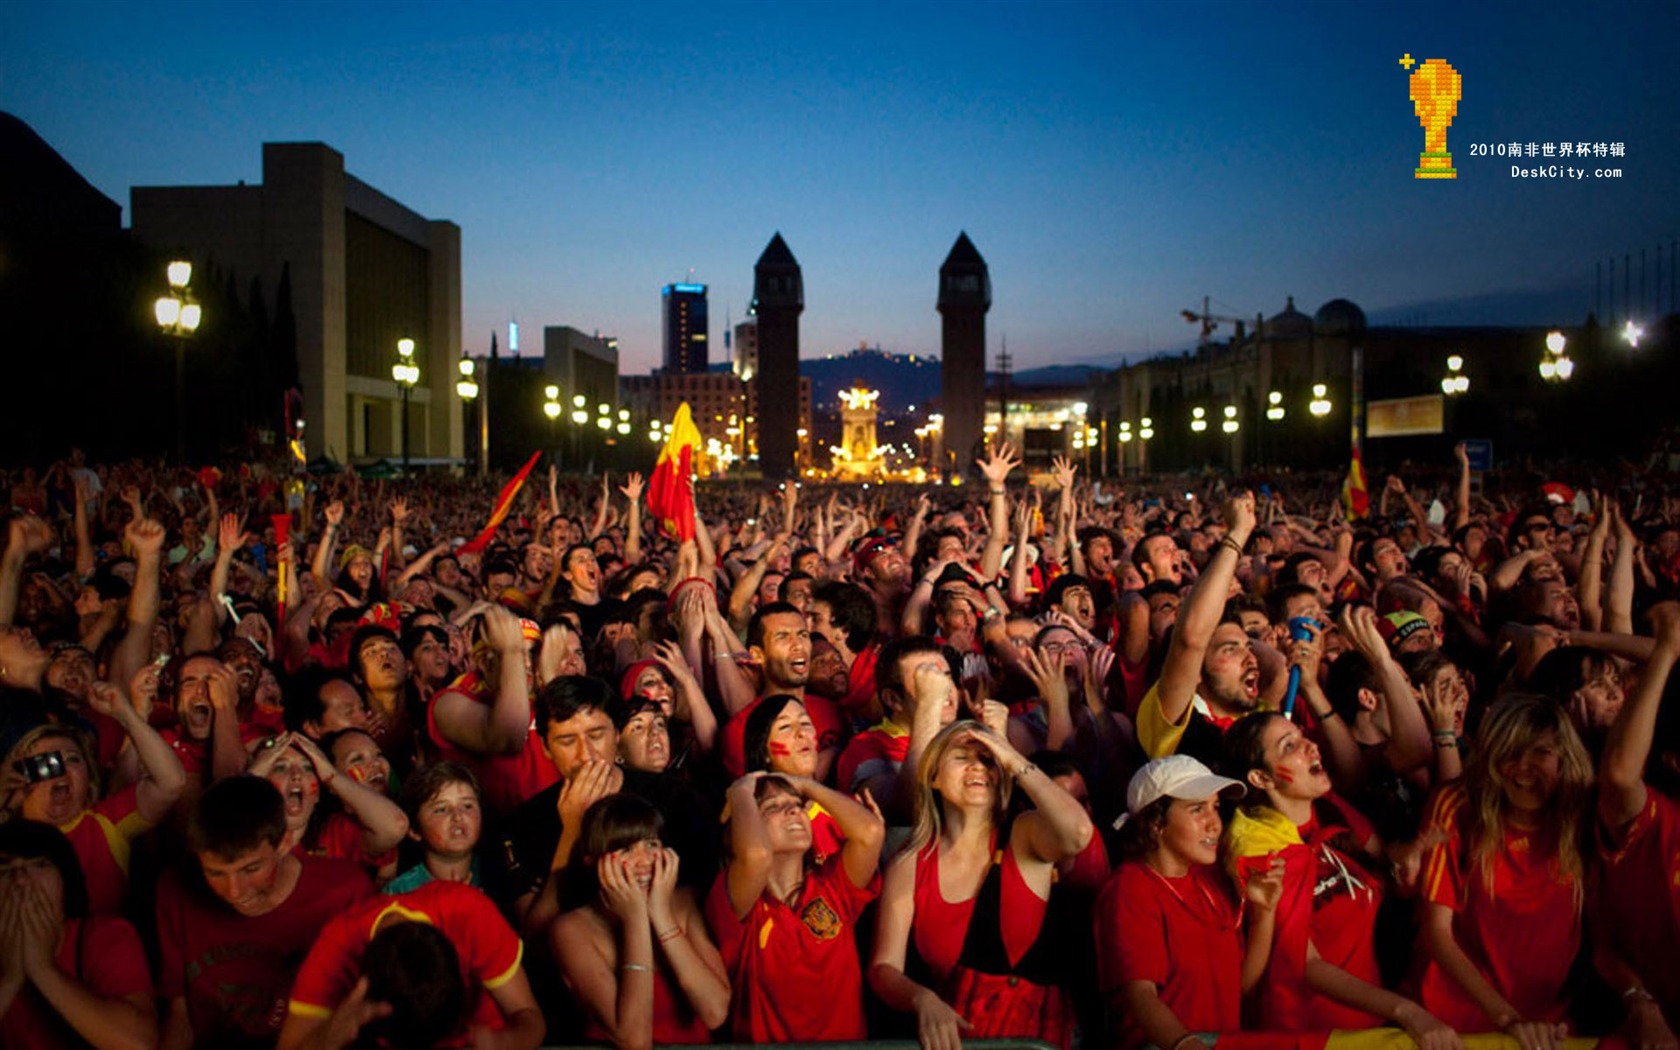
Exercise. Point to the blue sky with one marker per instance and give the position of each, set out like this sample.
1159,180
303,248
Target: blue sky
1113,162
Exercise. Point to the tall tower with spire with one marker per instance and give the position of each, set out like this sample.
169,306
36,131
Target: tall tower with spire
965,294
778,300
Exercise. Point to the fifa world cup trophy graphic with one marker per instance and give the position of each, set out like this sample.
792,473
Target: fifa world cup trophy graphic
1436,88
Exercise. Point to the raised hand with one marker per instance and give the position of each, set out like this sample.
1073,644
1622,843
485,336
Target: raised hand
231,534
145,536
632,487
1047,674
29,534
1239,513
503,631
399,512
999,463
1064,471
620,896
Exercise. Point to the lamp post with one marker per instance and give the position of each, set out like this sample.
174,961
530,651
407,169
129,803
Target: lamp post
1555,366
467,388
580,416
1455,382
406,373
551,409
178,315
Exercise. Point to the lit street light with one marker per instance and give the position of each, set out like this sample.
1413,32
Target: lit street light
467,388
1556,367
1274,406
1455,382
1319,406
1198,419
178,315
1633,333
406,373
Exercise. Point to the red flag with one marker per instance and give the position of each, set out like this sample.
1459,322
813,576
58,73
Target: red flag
504,503
1355,496
670,491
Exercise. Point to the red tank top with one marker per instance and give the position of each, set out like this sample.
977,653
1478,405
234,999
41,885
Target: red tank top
941,926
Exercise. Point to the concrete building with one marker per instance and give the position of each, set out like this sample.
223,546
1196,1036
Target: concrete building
365,271
581,364
744,361
686,329
965,294
725,410
778,300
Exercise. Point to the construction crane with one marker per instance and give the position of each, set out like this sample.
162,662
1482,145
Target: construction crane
1210,321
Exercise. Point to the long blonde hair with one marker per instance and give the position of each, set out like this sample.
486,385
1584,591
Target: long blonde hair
929,804
1509,728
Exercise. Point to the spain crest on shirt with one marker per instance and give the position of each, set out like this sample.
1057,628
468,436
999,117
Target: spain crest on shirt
821,920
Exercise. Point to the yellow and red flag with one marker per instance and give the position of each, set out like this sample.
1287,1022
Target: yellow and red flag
504,503
1355,496
670,491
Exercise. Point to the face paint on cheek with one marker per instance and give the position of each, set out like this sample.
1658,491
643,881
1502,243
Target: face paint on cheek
312,788
1283,776
776,748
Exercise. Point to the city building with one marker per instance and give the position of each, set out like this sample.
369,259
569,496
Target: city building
744,361
778,300
965,294
724,409
685,328
364,271
581,364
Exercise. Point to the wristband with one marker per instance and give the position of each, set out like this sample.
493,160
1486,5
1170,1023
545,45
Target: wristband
1231,545
1635,993
671,934
1326,716
1445,744
635,968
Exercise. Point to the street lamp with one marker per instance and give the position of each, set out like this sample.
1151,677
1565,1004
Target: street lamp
1230,425
178,315
1633,333
1319,406
406,373
1556,367
1198,419
1274,406
1455,382
467,388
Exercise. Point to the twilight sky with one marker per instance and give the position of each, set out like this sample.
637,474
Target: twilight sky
1113,162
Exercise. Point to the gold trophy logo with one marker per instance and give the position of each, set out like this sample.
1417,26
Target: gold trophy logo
1436,89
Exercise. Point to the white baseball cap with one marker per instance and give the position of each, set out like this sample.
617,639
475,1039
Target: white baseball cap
1175,776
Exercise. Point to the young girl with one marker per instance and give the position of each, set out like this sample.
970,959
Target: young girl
637,954
1503,888
787,925
366,830
781,738
1170,956
973,890
1323,971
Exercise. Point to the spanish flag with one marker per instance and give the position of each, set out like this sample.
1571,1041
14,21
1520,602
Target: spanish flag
670,491
1355,496
504,503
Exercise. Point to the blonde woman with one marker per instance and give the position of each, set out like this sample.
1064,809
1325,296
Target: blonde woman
1503,888
972,892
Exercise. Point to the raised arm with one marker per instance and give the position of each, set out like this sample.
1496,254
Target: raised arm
1621,770
996,468
29,535
1461,512
145,539
1200,613
165,780
501,726
1618,602
632,490
322,567
1409,743
1590,586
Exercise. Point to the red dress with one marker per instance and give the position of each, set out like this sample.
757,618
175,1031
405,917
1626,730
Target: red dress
1522,933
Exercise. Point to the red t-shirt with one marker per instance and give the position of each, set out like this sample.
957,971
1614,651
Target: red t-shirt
236,971
794,973
341,837
504,781
879,749
103,837
195,754
104,953
1639,896
490,952
1522,935
824,716
1182,935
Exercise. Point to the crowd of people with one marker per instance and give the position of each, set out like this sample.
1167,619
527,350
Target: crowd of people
316,763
